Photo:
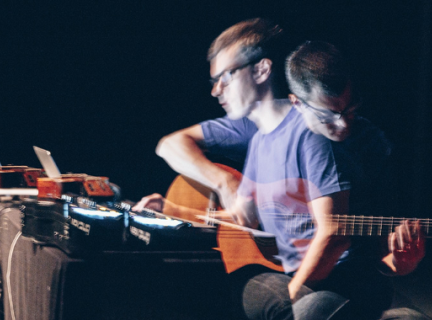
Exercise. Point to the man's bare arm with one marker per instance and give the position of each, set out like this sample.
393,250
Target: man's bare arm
325,248
182,151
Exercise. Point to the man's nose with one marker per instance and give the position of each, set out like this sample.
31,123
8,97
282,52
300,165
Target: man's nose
217,89
341,123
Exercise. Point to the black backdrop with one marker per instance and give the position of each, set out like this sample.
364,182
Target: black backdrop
100,82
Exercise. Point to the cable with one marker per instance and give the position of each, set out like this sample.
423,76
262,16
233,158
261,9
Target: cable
8,272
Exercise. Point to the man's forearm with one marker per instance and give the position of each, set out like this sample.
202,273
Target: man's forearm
183,154
321,257
325,248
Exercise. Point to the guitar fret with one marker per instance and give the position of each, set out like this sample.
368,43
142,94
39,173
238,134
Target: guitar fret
354,225
292,227
333,221
344,219
370,227
289,224
299,228
391,226
345,224
302,225
374,226
306,224
357,224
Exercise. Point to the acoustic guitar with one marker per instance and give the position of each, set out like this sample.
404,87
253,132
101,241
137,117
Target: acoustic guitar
241,246
238,247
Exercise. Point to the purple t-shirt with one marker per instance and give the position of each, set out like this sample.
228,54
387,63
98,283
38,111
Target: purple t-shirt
227,137
284,170
365,158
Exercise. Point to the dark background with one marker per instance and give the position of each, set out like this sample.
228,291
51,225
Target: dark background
98,83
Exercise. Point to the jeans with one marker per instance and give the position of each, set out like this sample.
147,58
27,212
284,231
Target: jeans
346,294
266,297
403,314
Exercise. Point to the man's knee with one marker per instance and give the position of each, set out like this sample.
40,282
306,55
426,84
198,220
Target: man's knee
321,305
403,314
266,297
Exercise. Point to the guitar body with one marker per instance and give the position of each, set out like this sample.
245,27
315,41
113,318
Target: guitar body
238,248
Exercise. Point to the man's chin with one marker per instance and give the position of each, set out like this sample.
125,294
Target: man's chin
235,116
338,136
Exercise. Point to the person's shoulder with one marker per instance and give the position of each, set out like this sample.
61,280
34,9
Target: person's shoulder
243,124
230,138
297,123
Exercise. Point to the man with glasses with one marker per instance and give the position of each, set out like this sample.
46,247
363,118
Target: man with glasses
341,121
243,81
322,91
229,136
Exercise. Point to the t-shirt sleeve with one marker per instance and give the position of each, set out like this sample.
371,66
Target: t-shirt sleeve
324,166
227,137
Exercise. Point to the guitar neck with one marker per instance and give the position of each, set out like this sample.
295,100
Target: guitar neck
346,225
373,226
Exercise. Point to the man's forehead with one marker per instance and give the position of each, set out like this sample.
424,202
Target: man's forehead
337,104
226,59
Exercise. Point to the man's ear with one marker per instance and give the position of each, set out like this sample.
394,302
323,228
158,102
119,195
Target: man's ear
295,101
262,70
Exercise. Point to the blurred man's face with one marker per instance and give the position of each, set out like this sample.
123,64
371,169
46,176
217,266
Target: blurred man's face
330,116
233,83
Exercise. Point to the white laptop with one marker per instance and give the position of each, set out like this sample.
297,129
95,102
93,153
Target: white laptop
47,162
50,168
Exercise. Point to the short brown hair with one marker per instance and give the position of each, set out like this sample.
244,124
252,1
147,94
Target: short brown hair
317,64
256,38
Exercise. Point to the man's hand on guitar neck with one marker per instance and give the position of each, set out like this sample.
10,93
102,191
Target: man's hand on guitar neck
407,247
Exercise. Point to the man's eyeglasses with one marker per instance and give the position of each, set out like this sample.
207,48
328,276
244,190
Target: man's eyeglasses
326,116
226,76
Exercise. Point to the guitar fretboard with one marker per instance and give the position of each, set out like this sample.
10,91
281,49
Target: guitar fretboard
373,226
345,225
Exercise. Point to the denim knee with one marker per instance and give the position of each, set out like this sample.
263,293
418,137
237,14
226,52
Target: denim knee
321,305
403,314
266,297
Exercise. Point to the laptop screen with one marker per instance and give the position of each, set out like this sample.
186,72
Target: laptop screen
47,162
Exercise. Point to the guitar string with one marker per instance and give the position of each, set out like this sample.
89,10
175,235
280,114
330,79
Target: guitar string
348,224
